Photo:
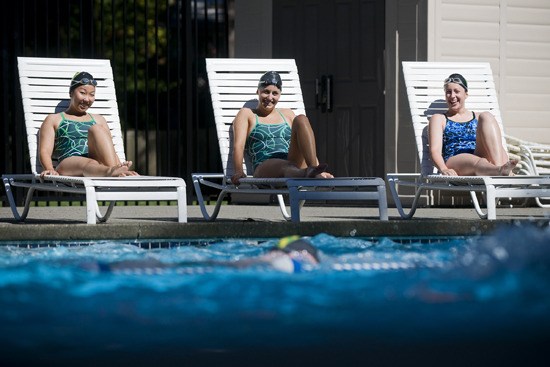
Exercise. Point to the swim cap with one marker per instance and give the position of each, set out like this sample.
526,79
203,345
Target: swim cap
296,243
271,78
82,78
458,79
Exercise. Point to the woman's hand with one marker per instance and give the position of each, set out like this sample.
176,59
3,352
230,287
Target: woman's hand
49,172
448,172
236,177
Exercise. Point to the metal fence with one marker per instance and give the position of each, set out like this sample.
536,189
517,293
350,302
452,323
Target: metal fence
157,49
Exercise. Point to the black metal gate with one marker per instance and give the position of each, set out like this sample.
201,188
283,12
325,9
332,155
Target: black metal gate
157,49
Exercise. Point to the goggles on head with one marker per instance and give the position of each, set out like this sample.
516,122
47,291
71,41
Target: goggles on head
84,81
453,80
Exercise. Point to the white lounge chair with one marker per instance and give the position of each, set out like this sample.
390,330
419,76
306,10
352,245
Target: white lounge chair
424,83
537,159
45,89
233,84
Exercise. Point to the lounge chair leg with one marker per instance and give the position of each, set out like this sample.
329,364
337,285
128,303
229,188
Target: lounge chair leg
91,205
202,204
392,181
541,204
382,202
282,206
491,203
103,218
182,205
18,217
295,208
477,207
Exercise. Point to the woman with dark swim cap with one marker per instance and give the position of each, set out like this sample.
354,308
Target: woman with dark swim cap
279,143
463,142
292,254
81,141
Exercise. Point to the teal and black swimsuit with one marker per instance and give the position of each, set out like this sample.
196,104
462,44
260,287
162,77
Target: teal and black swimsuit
268,141
71,138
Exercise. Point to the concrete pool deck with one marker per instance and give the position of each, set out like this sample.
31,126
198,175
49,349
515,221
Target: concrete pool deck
68,223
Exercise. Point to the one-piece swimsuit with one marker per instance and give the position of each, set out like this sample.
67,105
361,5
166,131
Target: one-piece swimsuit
71,138
267,141
459,137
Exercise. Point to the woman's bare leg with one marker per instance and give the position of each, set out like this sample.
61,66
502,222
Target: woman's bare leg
302,151
278,168
489,140
83,166
100,146
466,164
102,150
102,161
282,168
302,155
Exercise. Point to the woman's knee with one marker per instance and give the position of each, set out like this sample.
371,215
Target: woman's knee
98,132
486,119
301,121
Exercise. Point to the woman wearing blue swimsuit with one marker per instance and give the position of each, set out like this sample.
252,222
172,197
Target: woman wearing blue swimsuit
465,143
82,142
279,143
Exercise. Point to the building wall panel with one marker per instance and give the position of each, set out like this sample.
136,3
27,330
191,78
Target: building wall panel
514,36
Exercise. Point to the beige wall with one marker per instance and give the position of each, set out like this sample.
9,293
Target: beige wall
514,36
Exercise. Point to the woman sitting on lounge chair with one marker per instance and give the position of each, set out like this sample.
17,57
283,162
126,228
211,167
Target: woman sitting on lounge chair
81,141
466,143
279,143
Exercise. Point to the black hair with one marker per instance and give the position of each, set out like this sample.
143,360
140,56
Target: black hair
458,79
82,78
271,78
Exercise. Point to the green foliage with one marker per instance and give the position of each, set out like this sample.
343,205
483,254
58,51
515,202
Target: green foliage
139,43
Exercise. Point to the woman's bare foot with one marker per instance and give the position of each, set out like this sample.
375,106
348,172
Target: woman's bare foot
121,171
318,171
506,168
126,163
325,175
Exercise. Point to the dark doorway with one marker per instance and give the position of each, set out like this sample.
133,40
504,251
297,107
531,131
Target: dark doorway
339,48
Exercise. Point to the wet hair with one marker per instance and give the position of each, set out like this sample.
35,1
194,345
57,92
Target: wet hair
82,78
296,243
458,79
270,78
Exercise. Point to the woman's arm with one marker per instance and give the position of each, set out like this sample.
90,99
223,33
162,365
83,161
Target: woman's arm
436,127
240,132
47,142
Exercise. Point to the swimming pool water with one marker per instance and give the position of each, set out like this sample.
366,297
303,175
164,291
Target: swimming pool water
478,300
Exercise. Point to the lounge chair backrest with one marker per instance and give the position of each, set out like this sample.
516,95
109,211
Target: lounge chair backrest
424,83
233,84
45,89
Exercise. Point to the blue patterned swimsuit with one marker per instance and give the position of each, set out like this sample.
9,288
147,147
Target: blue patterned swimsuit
268,141
71,138
459,137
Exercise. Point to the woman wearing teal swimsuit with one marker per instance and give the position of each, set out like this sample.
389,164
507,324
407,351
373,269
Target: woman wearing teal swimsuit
81,141
279,143
465,143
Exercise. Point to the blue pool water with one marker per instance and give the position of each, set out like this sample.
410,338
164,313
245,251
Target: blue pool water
424,301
